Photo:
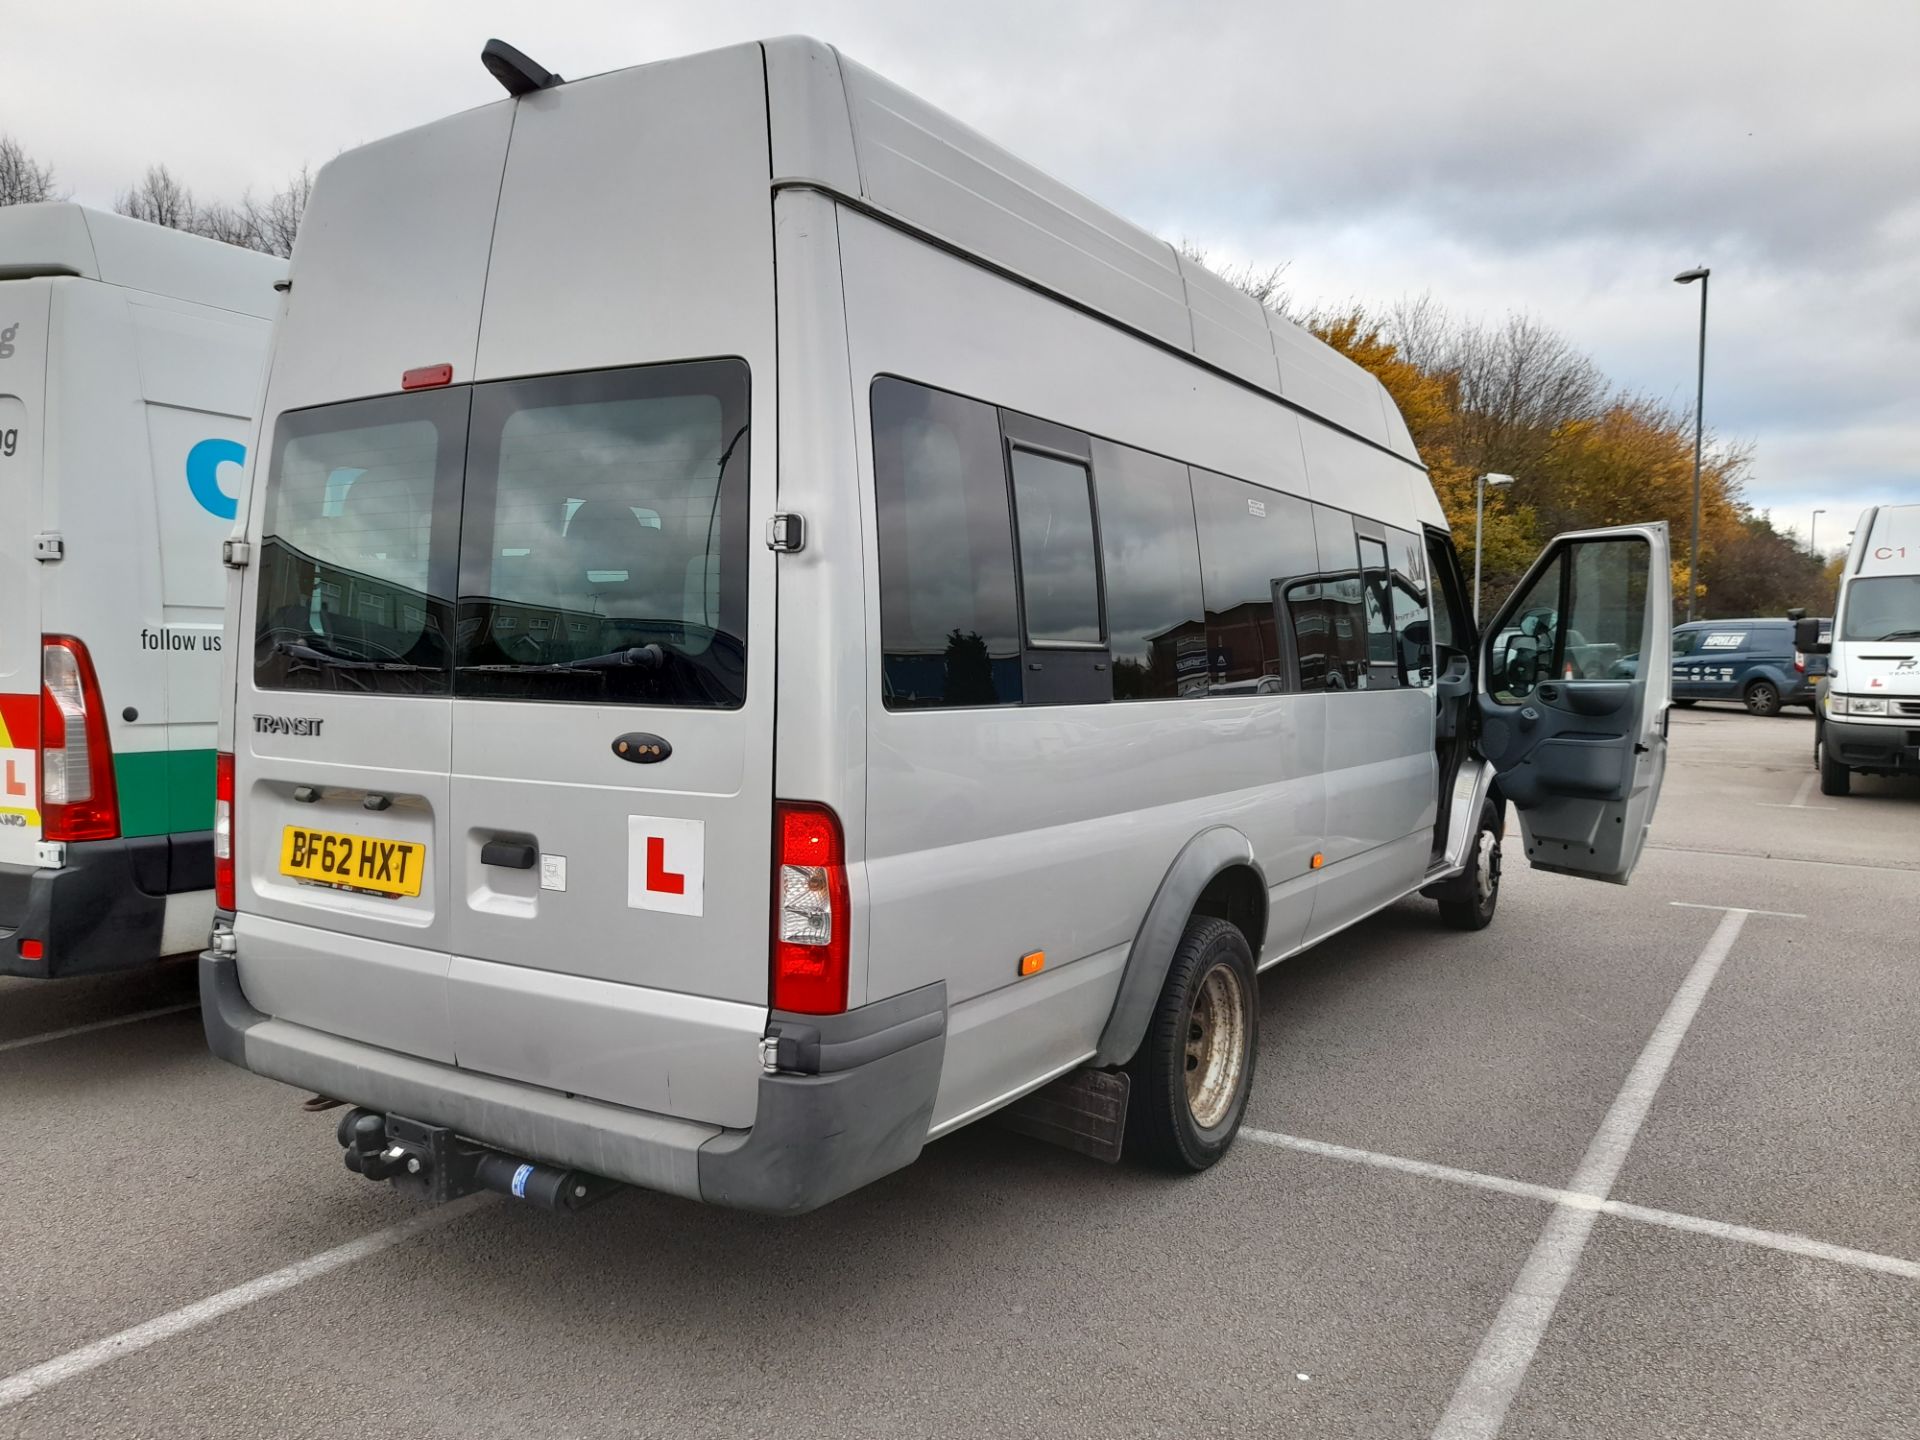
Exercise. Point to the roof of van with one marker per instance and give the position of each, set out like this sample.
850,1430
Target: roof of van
67,239
840,126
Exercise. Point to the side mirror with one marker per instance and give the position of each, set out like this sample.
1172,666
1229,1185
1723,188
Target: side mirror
1806,638
1519,668
1797,613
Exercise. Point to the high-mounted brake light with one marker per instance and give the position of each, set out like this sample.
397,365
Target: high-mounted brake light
78,800
425,377
811,911
223,831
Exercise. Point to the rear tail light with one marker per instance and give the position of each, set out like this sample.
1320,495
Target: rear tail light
811,910
77,796
223,831
1799,663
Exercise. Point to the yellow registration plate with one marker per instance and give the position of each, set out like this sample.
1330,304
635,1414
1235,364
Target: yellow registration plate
353,862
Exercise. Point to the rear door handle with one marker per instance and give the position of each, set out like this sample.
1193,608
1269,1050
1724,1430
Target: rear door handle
509,854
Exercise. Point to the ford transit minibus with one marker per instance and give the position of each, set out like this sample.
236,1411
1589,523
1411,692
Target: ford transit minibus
774,630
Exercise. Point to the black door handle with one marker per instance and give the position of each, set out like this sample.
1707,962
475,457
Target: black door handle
509,854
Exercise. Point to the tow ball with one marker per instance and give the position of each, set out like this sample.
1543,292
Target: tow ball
433,1162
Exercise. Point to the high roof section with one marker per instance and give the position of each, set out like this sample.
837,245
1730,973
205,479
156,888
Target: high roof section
67,239
838,125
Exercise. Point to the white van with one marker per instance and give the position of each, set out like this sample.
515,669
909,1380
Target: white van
1868,716
775,630
131,360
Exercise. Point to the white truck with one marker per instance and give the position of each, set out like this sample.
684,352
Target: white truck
131,359
1868,715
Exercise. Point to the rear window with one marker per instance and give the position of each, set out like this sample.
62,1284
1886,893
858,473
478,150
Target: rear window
356,562
571,538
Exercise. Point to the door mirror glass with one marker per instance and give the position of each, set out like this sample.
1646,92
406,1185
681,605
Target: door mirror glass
1807,637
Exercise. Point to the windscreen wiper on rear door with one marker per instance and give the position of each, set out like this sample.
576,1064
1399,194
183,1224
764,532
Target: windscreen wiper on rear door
637,657
313,655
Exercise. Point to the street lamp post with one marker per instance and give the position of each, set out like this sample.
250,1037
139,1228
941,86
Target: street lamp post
1687,277
1813,532
1498,482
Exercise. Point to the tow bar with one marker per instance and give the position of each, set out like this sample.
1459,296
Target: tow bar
433,1162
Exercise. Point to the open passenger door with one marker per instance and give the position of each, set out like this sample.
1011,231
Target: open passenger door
1575,684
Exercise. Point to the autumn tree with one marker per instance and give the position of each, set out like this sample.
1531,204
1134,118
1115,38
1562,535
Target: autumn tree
1760,571
22,180
1518,398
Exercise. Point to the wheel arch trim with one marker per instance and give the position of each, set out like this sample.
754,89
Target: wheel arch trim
1202,860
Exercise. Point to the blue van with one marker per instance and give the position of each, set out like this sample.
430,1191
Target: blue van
1752,662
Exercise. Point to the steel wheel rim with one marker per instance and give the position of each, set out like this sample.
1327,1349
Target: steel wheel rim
1216,1046
1486,867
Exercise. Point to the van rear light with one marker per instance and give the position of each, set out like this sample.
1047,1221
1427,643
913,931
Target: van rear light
78,800
1799,663
811,910
223,831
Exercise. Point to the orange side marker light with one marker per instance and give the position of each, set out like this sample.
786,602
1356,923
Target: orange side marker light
1032,963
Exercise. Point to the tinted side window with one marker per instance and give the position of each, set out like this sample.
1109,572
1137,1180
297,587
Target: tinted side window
1156,618
1059,569
603,544
1339,605
1684,641
1253,542
1412,626
1376,599
948,628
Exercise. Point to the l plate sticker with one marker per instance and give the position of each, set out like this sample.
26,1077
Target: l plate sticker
666,864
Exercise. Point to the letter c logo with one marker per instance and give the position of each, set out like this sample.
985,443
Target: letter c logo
203,471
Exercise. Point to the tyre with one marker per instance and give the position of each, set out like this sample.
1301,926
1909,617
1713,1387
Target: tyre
1763,698
1470,902
1835,778
1194,1069
1686,704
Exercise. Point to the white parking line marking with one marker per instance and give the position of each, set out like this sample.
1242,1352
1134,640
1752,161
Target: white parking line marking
47,1374
1479,1404
1782,1240
1738,910
1806,789
21,1044
1426,1170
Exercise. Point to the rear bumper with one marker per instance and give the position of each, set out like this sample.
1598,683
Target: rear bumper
1892,748
816,1136
105,909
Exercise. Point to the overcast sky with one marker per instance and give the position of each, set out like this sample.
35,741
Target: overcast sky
1525,155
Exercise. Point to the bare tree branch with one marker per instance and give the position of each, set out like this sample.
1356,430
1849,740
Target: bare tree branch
22,182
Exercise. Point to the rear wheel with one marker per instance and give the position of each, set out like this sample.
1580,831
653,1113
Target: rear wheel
1194,1069
1835,778
1470,902
1763,698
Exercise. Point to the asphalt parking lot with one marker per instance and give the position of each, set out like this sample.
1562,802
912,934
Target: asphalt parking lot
1639,1162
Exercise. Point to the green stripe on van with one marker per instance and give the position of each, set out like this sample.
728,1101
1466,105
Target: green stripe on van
164,791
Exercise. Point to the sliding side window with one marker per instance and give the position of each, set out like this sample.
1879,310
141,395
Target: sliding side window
1066,661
